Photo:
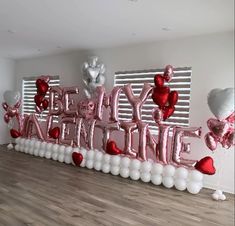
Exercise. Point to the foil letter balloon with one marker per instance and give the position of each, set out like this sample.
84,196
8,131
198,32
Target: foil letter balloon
106,100
137,101
69,101
179,147
55,100
33,127
93,75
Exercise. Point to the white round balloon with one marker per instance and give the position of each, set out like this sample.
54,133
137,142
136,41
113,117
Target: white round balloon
36,152
124,172
98,156
115,170
196,176
156,179
146,167
168,182
90,155
48,155
98,165
31,151
106,168
17,147
43,144
61,149
54,156
37,144
89,163
145,177
41,153
135,164
68,149
125,162
55,148
157,168
135,174
180,184
67,159
115,160
181,173
193,187
169,171
106,158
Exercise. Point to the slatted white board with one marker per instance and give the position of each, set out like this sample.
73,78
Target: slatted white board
180,82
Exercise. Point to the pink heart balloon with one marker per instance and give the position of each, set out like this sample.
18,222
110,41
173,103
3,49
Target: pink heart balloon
157,115
11,111
228,140
210,141
217,127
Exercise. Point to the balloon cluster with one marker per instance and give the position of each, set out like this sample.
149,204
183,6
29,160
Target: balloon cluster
221,104
11,106
93,75
147,171
42,88
162,96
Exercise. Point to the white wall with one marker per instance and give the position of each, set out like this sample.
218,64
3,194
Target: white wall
211,58
7,82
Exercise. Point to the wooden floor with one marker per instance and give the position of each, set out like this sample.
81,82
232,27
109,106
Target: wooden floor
36,191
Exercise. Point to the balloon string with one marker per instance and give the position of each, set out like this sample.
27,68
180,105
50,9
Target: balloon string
221,163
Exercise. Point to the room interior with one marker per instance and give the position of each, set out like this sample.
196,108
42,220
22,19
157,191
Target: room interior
56,38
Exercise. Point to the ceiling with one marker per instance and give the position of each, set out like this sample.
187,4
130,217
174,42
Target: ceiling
35,27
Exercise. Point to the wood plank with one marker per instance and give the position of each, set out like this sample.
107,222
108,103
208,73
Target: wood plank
36,191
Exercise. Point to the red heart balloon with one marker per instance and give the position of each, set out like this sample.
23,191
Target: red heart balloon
14,133
38,99
54,133
206,166
38,82
173,98
45,104
77,158
217,127
160,95
42,87
112,148
158,80
167,112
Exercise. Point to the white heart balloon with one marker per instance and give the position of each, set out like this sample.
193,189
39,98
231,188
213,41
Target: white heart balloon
221,102
11,97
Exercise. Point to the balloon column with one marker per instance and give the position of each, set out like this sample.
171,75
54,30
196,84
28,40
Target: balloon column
11,106
162,96
42,88
221,104
93,75
71,140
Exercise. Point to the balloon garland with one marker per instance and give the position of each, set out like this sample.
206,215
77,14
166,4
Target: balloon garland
67,140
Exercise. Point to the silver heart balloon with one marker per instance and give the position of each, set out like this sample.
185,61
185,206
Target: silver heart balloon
93,75
221,102
11,97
